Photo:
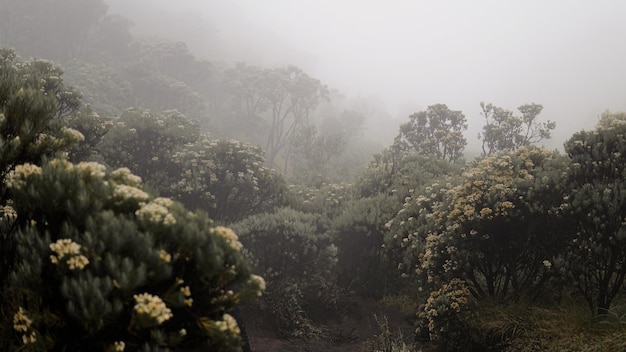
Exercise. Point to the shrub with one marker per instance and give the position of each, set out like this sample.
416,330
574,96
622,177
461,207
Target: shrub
100,263
358,232
298,260
493,229
226,178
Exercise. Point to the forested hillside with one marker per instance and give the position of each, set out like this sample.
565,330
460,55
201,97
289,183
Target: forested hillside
148,196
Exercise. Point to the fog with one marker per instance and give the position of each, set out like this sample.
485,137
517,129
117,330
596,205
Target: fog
566,55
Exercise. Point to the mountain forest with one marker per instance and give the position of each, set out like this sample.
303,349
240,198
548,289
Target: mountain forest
152,200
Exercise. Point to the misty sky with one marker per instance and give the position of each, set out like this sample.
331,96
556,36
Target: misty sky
569,56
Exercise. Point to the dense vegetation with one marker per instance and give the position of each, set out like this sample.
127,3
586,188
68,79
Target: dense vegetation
115,197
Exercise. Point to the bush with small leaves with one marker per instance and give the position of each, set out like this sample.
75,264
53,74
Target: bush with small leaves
144,142
595,212
291,250
358,230
90,260
99,262
328,199
226,178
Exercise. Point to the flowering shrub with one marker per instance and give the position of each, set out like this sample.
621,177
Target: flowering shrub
491,229
99,263
226,178
143,141
444,317
594,212
90,260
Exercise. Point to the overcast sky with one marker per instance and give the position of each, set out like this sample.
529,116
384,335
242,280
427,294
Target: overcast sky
569,56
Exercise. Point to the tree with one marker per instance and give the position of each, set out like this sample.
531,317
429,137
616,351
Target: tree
438,132
292,95
504,131
596,208
313,151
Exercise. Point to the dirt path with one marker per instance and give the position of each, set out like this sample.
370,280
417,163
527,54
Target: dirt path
349,331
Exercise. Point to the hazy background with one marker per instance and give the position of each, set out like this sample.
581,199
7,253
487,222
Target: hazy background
402,56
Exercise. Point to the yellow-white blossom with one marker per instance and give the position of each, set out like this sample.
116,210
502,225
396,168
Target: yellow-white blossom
22,172
228,324
67,248
230,236
152,306
124,192
258,282
164,256
92,169
156,213
21,321
72,135
126,175
119,346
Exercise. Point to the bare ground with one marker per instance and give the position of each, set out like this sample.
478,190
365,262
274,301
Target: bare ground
352,327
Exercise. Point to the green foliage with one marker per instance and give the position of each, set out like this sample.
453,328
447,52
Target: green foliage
409,173
596,209
298,260
223,177
437,132
93,127
504,131
99,261
33,102
144,142
327,199
358,232
227,178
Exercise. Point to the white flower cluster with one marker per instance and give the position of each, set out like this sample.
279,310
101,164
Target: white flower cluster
157,211
92,169
72,135
228,324
22,323
164,256
21,173
125,192
152,306
186,291
119,346
7,213
67,248
258,282
230,236
124,174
